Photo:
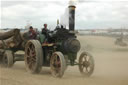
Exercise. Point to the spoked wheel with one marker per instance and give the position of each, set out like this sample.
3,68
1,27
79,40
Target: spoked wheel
8,59
1,59
57,64
86,64
33,56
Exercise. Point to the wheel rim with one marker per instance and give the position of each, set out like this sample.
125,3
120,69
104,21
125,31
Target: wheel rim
1,59
5,60
57,64
30,56
86,64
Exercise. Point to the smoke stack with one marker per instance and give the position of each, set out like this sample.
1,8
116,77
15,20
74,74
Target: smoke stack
57,22
71,18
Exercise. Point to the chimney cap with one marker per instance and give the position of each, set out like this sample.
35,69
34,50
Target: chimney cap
71,6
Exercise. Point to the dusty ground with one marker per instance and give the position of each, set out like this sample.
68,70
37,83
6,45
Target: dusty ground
111,67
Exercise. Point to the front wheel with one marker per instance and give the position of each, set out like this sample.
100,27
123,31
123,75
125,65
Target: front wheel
57,64
86,64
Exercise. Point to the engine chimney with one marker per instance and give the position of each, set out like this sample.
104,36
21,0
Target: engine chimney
71,18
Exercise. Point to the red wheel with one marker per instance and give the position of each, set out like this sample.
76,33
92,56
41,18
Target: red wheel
57,64
86,64
33,56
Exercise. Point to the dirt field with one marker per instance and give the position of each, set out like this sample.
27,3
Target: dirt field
111,67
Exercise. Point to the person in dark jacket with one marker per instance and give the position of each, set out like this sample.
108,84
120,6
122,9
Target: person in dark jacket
45,32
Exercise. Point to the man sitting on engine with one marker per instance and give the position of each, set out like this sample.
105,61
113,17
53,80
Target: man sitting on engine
45,32
32,33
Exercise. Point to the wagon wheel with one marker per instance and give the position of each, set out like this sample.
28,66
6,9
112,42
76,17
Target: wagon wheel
33,56
1,59
8,59
57,64
86,64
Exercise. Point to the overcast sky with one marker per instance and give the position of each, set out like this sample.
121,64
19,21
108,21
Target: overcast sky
89,13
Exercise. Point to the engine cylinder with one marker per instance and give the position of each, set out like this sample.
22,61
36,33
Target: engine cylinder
71,45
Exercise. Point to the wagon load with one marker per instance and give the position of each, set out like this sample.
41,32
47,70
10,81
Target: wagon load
10,42
10,39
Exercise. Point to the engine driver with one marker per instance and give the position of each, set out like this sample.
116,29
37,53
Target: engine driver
45,32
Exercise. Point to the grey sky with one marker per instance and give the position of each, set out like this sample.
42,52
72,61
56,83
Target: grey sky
89,13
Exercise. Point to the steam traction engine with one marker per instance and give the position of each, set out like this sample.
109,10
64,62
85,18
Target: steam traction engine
120,41
60,50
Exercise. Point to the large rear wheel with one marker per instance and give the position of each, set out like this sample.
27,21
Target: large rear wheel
57,64
86,64
33,56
